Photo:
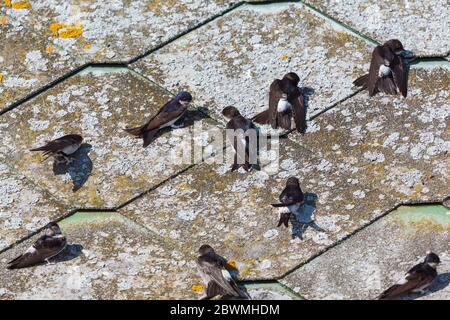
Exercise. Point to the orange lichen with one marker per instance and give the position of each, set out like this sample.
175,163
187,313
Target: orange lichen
8,3
87,46
231,265
65,31
285,58
21,5
3,20
50,49
197,288
1,77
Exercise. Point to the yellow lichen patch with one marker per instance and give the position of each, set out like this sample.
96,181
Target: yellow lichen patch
1,77
8,3
87,46
231,265
197,288
285,58
50,49
65,31
21,5
3,20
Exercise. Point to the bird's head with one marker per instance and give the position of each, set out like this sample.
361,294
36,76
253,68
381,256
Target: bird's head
230,112
293,78
52,229
397,47
183,97
432,259
205,249
292,181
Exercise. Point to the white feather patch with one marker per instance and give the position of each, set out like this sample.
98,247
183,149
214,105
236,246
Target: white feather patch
384,71
226,274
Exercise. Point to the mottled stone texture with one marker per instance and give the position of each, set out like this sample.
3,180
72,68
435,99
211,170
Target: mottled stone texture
399,145
42,40
234,59
360,158
24,208
232,211
111,167
377,257
422,26
108,257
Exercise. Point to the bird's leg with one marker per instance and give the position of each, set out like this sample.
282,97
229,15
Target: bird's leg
58,156
48,262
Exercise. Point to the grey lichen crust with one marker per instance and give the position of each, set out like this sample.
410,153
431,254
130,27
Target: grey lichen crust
422,26
377,257
234,59
111,166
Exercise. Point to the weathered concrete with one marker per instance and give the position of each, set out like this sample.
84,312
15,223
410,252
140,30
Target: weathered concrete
231,211
399,145
108,257
234,59
111,167
24,208
422,26
41,41
379,256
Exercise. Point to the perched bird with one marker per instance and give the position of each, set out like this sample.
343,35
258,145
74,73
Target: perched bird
291,197
386,73
285,99
166,116
47,246
217,279
418,278
242,141
61,148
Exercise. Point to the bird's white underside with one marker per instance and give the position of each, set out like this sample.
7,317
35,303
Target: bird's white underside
283,105
70,149
384,71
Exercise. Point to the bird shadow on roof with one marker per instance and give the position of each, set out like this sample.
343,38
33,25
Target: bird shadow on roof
79,170
305,217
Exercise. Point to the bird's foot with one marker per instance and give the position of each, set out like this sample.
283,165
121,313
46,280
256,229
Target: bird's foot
49,263
235,167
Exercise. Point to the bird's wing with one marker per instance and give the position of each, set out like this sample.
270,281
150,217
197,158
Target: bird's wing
411,281
221,282
163,117
375,63
274,97
298,108
291,195
56,145
44,248
399,75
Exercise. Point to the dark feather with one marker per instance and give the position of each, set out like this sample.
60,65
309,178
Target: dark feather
400,76
275,95
45,248
59,144
297,101
362,81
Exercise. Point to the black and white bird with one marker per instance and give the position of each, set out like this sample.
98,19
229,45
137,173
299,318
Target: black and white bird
170,113
291,197
47,246
416,279
62,148
218,280
285,100
387,72
242,138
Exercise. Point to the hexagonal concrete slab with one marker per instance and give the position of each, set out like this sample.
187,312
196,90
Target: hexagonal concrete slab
108,257
111,167
234,59
399,145
378,256
24,208
232,212
420,25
